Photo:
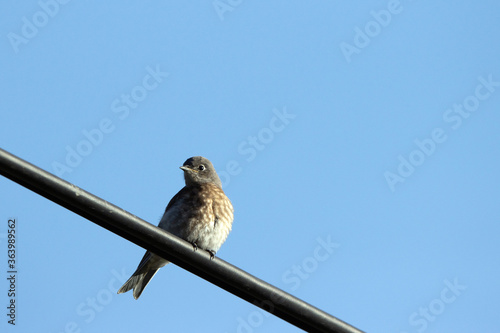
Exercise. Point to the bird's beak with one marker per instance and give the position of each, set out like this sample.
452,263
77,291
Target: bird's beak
185,168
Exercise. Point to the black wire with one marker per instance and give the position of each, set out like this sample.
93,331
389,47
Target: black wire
172,248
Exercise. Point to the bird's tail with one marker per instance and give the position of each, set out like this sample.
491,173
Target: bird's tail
138,282
149,265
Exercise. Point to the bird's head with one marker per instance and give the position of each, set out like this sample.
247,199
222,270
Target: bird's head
199,170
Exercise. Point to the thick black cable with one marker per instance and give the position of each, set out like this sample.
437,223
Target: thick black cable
172,248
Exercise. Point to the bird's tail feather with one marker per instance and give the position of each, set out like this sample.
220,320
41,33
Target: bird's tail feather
138,282
148,267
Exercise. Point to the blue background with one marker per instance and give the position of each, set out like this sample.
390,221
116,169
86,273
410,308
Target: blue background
363,85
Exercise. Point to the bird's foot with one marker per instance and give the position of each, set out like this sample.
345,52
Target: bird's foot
212,254
195,246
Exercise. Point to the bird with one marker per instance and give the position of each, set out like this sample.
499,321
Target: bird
199,213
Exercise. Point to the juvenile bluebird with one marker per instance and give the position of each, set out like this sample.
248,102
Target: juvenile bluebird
199,213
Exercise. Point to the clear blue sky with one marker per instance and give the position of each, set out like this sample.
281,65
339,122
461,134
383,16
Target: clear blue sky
357,141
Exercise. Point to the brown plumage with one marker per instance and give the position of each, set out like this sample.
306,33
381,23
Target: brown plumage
200,213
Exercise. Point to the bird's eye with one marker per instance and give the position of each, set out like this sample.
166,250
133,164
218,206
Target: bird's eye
201,167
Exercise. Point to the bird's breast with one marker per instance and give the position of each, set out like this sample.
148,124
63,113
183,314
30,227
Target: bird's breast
202,214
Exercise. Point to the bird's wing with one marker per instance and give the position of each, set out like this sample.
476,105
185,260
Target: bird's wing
172,220
175,198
